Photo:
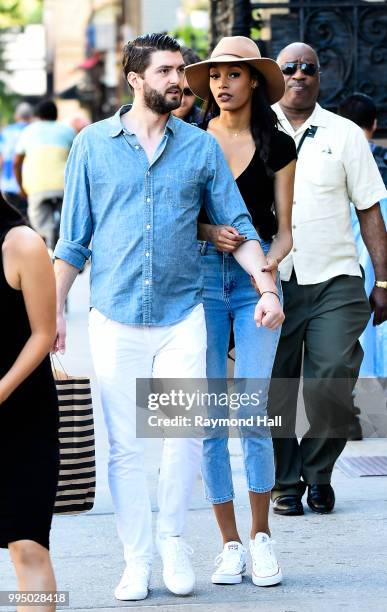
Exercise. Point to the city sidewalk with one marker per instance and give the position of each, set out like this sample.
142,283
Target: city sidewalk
337,561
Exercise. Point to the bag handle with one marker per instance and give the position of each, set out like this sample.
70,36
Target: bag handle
55,356
310,132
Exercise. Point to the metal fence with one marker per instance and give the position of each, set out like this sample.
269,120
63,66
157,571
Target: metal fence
350,37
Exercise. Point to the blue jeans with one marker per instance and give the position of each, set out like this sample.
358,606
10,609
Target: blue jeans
230,299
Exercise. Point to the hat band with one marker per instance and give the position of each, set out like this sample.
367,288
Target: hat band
220,55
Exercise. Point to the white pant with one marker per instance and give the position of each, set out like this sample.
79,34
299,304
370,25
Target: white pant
121,353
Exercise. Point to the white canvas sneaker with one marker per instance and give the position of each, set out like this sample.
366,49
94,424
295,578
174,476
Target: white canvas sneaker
178,574
266,571
231,564
134,583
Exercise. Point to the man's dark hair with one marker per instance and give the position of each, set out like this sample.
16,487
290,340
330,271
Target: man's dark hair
189,56
46,110
138,52
360,109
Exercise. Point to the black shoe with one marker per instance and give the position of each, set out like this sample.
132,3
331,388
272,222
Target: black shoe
355,431
289,505
321,498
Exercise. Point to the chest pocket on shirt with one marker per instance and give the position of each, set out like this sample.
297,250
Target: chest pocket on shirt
322,168
183,188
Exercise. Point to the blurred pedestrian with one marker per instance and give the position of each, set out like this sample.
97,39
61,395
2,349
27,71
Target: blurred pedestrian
8,141
40,161
78,122
326,307
361,109
239,94
29,451
147,317
188,110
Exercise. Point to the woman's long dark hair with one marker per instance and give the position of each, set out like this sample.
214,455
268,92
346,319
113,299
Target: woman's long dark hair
263,119
9,217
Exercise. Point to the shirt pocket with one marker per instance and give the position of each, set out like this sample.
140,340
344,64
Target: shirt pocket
324,170
183,189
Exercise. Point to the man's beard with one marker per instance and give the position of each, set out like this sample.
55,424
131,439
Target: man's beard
158,102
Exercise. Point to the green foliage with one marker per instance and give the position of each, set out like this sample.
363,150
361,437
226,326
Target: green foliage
194,38
14,13
8,103
20,12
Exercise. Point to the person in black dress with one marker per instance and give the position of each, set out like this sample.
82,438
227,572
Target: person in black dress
29,443
239,87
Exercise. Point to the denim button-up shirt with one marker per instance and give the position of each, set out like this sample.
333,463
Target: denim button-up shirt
138,220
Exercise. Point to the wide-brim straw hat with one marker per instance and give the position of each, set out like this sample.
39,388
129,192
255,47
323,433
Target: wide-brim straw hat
236,49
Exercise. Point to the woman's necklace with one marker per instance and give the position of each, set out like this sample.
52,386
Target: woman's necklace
234,134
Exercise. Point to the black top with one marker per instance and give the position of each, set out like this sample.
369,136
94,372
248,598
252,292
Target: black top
32,409
257,187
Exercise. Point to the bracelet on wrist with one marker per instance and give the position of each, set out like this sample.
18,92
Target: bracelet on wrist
273,292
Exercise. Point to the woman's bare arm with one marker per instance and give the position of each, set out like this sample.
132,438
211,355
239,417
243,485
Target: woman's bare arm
28,267
283,200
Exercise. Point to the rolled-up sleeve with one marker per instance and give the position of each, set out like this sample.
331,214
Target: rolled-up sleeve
76,221
223,202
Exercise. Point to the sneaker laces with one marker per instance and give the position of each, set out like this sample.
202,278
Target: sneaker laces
177,553
263,554
230,560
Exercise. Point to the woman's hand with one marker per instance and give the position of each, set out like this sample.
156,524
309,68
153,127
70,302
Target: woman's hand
272,266
226,238
60,340
268,312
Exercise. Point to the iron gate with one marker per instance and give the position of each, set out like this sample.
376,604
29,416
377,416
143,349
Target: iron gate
350,37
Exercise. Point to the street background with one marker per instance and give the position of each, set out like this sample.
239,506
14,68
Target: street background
70,50
337,560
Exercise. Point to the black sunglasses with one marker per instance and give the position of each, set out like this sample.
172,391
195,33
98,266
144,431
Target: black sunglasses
290,68
187,92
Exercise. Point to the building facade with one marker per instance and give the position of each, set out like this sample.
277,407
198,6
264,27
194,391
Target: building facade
84,43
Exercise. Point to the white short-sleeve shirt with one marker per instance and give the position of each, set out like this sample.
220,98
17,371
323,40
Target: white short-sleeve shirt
334,168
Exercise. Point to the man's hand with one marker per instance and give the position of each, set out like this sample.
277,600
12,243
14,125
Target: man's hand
60,340
226,238
268,312
378,301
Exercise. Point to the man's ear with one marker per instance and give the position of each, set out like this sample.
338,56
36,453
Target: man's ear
375,126
134,80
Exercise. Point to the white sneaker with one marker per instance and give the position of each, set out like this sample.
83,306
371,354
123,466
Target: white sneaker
231,564
134,583
266,571
178,574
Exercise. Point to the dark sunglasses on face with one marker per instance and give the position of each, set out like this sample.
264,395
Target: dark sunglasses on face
187,92
290,68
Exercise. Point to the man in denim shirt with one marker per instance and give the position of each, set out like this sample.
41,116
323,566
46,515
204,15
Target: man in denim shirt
134,185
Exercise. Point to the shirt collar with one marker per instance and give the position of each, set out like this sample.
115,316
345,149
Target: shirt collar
116,126
317,118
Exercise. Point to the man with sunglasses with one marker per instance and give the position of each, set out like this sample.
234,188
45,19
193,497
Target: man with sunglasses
326,306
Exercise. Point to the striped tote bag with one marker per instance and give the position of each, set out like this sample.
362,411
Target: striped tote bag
76,485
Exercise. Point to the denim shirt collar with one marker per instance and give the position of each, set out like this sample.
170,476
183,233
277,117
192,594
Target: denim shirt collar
116,126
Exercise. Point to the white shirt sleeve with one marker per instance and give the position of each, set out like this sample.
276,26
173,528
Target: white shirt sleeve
364,182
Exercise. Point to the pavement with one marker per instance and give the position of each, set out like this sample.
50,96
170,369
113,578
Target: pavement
337,561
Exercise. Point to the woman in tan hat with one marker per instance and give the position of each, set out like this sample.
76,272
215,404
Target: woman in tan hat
239,86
